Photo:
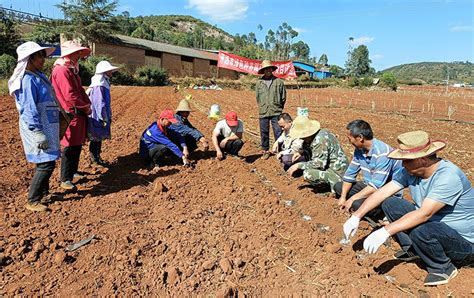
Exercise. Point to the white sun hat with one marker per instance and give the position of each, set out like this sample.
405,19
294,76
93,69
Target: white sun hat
28,48
105,66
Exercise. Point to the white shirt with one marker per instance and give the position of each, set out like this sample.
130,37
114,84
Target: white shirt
225,130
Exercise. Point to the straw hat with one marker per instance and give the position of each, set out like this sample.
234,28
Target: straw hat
71,46
183,106
29,48
266,64
105,66
415,144
304,127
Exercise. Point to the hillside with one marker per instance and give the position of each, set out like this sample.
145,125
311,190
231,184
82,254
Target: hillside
179,30
432,72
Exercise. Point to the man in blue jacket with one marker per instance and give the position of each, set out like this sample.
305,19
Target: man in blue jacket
157,146
190,134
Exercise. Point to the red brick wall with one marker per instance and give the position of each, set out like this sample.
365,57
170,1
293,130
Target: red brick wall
172,64
130,57
202,68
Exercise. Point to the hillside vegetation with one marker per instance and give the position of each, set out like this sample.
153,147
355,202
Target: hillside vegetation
434,72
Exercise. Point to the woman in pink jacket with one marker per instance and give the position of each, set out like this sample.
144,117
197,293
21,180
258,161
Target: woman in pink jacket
72,97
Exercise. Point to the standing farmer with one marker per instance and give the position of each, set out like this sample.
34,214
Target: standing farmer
73,98
271,97
99,120
38,118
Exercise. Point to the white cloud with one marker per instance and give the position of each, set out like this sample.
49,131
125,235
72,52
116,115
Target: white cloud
221,10
462,29
377,56
362,40
300,30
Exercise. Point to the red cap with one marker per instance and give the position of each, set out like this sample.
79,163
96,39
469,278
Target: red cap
168,114
231,119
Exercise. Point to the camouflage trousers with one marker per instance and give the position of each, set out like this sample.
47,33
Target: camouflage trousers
329,176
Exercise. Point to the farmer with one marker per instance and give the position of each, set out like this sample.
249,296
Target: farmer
370,157
157,144
72,97
99,120
326,162
227,136
38,119
285,146
190,134
438,226
271,97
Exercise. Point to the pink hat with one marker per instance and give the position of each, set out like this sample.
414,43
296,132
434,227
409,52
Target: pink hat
71,46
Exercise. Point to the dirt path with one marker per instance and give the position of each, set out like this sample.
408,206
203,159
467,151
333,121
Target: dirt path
219,228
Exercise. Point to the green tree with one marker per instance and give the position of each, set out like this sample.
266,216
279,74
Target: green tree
46,32
88,20
300,51
359,63
9,37
388,80
336,70
323,59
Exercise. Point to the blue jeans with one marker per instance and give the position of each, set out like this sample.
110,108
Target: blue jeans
265,131
437,244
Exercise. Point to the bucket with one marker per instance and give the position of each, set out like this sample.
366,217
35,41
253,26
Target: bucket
302,112
215,112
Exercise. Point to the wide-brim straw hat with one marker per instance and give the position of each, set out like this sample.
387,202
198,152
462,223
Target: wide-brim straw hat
415,144
29,48
105,66
304,127
71,46
266,64
184,106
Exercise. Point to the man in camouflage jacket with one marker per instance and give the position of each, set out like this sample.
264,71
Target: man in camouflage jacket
327,162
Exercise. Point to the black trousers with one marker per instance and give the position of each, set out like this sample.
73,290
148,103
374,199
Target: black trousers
161,155
70,162
232,147
95,148
265,131
40,182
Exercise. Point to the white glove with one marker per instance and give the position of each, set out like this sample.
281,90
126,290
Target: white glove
350,226
40,139
377,238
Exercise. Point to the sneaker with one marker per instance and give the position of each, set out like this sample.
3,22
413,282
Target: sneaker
406,256
78,176
36,206
265,156
68,185
50,198
436,279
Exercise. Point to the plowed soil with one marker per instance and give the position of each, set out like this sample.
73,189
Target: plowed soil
219,228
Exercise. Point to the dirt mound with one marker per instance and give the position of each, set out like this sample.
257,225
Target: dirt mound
236,227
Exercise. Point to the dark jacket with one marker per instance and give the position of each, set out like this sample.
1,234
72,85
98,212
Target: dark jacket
271,100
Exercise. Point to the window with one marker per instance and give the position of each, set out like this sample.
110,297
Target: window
187,59
213,62
152,53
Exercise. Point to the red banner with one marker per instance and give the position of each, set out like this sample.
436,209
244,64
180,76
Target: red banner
285,70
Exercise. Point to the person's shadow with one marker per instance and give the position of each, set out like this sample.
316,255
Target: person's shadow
252,158
128,171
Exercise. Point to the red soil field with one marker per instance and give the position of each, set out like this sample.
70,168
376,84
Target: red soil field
218,229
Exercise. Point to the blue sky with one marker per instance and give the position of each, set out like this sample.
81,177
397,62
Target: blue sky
396,32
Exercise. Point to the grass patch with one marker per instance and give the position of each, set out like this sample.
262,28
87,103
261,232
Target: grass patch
3,87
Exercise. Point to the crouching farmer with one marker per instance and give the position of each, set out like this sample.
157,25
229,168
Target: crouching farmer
326,161
286,146
227,136
156,144
438,226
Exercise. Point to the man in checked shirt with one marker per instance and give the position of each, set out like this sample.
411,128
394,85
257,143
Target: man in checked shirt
370,157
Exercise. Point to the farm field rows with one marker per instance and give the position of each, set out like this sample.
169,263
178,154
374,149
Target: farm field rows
220,228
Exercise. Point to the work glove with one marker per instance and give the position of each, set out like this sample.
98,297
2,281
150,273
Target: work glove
40,140
374,240
350,226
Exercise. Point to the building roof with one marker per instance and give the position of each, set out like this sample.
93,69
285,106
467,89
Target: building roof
164,47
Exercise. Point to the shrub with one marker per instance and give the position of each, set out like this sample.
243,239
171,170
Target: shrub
48,67
151,76
7,65
388,80
366,82
3,86
123,77
353,82
304,78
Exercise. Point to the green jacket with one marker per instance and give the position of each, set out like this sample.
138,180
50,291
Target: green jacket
271,101
325,152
